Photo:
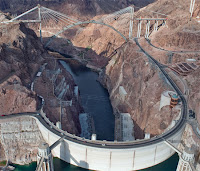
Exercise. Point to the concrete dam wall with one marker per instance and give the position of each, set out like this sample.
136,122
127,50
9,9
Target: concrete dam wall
88,156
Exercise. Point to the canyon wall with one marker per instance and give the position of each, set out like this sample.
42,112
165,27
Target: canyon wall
20,138
16,98
143,84
22,57
81,7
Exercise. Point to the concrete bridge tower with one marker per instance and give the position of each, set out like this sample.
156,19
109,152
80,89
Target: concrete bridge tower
186,160
44,158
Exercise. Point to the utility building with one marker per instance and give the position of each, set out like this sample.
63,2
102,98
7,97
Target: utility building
168,98
122,93
174,100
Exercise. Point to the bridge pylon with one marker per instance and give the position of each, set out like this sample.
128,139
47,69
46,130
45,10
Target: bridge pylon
131,23
44,158
192,7
40,19
147,29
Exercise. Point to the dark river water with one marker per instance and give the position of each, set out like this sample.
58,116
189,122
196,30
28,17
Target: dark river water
95,100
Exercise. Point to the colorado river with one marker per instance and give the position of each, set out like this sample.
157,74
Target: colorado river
95,100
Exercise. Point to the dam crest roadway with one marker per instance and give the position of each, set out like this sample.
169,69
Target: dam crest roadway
107,155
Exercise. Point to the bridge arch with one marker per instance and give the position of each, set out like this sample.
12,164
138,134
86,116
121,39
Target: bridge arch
84,22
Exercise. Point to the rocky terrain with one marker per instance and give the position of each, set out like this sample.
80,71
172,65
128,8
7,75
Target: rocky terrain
144,85
174,36
86,8
102,47
20,139
22,56
16,98
180,34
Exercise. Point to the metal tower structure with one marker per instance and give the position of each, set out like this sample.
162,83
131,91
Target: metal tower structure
44,156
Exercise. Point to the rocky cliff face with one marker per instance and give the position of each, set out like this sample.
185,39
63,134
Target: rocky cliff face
143,84
127,67
78,7
175,36
180,28
22,56
20,52
180,34
16,98
20,138
56,86
193,80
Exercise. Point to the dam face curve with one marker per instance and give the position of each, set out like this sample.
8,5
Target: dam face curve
109,158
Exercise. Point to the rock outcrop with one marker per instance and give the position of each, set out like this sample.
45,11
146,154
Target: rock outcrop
81,8
144,85
20,138
15,98
22,56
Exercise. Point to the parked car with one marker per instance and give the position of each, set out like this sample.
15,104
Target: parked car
191,114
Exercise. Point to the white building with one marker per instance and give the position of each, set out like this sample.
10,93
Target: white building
122,93
165,98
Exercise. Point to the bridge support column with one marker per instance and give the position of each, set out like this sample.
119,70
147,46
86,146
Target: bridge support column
186,161
156,25
44,158
131,24
164,23
147,29
192,8
40,19
139,28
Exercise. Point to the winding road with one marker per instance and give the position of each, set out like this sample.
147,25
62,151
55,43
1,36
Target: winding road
182,51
